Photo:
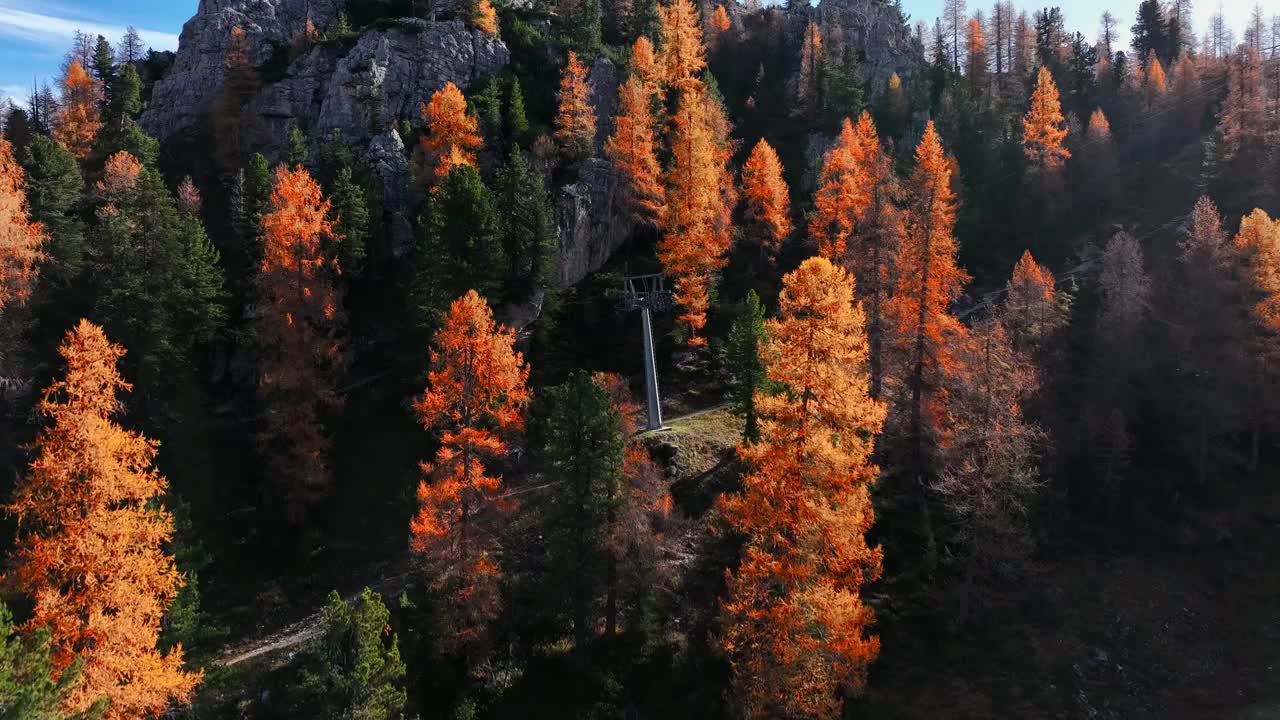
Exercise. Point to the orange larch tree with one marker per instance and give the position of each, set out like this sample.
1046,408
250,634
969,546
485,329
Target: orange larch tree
1034,311
1044,128
1242,137
645,66
809,81
1099,130
767,199
977,66
299,325
857,223
79,118
91,540
991,474
1154,82
683,54
923,332
476,394
20,239
481,14
843,196
632,150
1256,250
696,223
877,239
575,117
794,626
21,243
452,135
718,24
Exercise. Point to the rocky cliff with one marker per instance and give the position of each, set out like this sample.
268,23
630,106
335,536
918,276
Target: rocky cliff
363,88
878,31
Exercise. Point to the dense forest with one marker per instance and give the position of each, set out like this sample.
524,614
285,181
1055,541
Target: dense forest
967,334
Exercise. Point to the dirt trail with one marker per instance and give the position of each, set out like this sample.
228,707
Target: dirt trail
308,628
304,630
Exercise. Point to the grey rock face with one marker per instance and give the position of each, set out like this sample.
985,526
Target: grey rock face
875,29
385,158
591,226
380,81
362,91
191,85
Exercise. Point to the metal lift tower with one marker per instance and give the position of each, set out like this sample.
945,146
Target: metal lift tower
647,293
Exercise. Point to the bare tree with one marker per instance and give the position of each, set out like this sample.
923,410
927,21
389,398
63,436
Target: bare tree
955,23
131,48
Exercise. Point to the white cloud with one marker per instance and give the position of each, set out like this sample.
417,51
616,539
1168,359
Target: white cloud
17,94
56,32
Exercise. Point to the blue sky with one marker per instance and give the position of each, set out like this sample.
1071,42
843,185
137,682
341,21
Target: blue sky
34,34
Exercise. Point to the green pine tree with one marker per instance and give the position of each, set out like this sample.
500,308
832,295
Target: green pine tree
123,98
747,375
104,62
516,122
27,688
843,97
460,247
583,32
159,287
259,183
355,671
487,105
528,226
352,210
55,190
296,152
584,450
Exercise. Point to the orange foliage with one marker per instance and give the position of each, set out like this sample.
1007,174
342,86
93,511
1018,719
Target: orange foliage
1154,78
20,239
696,223
482,14
1242,126
683,54
809,84
720,20
858,224
844,191
1257,245
631,149
452,136
718,25
299,320
1043,127
766,196
120,174
476,392
79,121
1099,130
1033,311
91,541
644,65
927,282
575,118
794,625
976,67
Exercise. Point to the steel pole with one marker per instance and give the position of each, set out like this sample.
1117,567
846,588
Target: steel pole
650,371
